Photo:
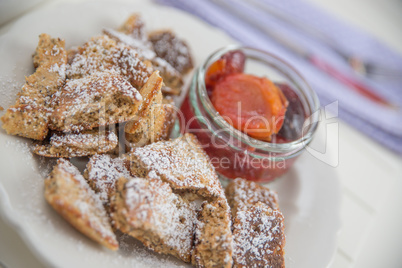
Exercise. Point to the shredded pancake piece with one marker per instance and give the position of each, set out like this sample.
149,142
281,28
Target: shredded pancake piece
242,194
148,127
87,142
101,54
259,238
213,245
171,48
134,26
70,195
181,162
148,210
29,116
258,225
99,99
102,173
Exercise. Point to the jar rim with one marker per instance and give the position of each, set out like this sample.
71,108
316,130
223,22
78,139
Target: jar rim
268,147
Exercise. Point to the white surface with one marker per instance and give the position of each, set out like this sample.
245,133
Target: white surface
309,193
371,175
9,9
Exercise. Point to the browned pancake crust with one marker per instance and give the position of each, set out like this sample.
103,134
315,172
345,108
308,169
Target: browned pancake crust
213,239
88,142
172,49
242,193
258,227
147,126
102,173
181,162
70,195
259,237
101,54
169,111
171,77
29,116
95,100
134,26
148,210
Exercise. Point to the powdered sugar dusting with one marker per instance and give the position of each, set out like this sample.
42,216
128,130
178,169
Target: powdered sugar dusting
145,51
89,88
102,173
171,218
181,163
246,193
90,97
9,85
104,54
172,49
77,139
213,238
258,237
140,256
86,143
87,202
60,69
68,169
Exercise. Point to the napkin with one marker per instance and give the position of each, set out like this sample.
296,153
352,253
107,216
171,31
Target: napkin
381,123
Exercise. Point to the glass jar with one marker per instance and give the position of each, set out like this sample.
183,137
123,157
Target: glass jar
234,153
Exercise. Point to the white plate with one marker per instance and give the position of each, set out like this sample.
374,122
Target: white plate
309,194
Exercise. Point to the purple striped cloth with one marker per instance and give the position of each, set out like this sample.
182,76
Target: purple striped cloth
378,122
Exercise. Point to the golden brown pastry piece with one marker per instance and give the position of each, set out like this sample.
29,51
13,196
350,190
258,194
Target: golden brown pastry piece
133,34
258,225
171,77
169,111
180,162
148,210
88,142
169,91
102,173
172,49
101,54
49,51
259,238
71,53
134,26
29,116
213,245
148,125
70,195
243,193
99,99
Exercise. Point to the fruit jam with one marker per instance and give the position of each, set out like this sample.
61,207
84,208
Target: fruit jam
232,152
